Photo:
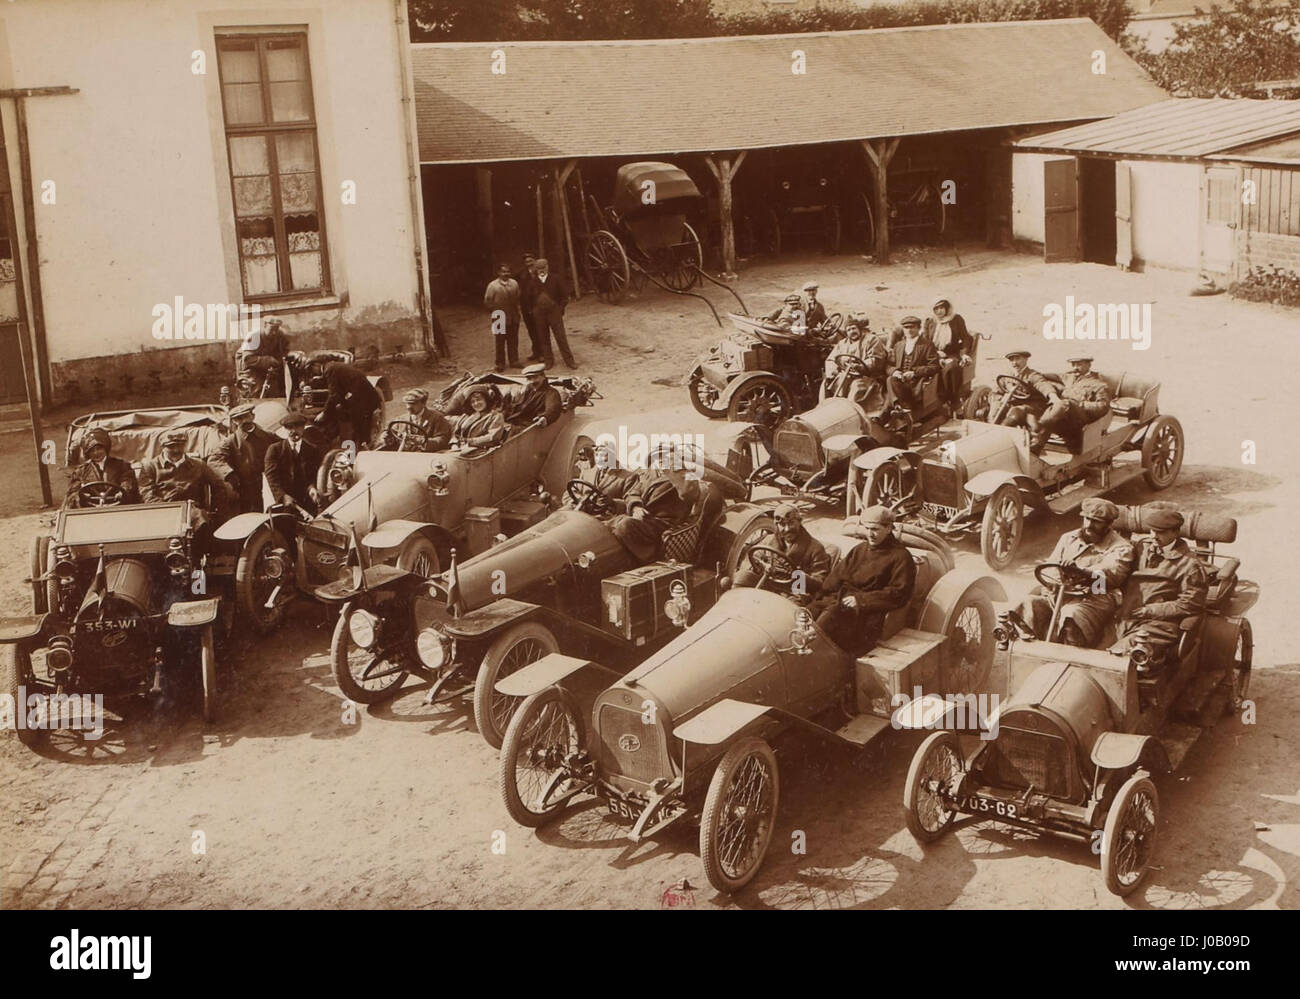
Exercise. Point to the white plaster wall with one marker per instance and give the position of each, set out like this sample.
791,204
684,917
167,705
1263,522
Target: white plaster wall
143,210
1166,213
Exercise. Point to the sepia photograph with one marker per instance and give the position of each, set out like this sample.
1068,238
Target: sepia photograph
650,455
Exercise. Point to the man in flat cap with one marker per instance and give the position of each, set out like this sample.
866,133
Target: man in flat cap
241,456
1085,398
291,465
915,361
101,466
539,404
1107,556
814,313
1168,583
789,315
658,500
429,430
550,299
805,554
1023,413
175,475
870,581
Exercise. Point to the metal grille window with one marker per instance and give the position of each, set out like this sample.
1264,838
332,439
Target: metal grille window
1220,199
274,166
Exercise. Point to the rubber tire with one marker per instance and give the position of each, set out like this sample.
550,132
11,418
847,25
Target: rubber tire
979,599
1247,638
208,673
918,831
39,552
787,403
986,528
14,669
261,620
411,550
489,673
510,750
339,664
744,540
1117,809
697,402
977,400
711,816
1148,447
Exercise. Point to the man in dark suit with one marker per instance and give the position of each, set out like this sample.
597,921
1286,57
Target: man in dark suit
539,403
914,362
100,466
656,502
352,400
526,278
241,456
548,311
291,467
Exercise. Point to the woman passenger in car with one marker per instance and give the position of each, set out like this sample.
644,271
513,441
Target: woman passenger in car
483,425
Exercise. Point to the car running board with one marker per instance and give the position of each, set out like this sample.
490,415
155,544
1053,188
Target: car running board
862,729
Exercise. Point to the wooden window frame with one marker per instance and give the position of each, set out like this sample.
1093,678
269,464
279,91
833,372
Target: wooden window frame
270,128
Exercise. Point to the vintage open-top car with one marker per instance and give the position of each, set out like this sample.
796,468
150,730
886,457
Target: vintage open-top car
687,733
564,584
1075,747
117,609
408,508
980,478
761,373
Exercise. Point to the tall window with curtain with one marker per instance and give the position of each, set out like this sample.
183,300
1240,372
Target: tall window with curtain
274,168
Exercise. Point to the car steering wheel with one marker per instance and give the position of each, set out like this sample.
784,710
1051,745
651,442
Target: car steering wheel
407,433
773,566
830,326
1075,581
100,493
588,497
857,367
1017,389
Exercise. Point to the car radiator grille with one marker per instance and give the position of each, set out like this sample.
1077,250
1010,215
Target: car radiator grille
798,450
620,729
941,485
1030,759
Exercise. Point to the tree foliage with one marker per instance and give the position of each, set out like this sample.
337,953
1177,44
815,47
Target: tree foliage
574,20
1227,49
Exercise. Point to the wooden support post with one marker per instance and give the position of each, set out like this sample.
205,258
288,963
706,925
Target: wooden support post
561,180
582,205
541,228
879,152
483,206
724,169
555,251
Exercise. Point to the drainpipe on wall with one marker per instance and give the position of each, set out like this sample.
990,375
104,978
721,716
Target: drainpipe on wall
431,329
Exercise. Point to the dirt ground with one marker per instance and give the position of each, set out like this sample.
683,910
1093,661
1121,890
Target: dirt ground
296,808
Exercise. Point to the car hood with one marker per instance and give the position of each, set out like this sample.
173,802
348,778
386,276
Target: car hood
389,484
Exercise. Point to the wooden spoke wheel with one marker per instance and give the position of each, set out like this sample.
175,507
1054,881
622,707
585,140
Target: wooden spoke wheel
606,266
1003,526
1162,452
683,262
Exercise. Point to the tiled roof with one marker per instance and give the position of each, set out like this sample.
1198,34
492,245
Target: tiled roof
1184,126
639,98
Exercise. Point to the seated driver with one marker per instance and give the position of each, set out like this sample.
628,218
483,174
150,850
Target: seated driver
872,580
1168,583
805,553
606,474
101,466
1026,413
174,476
435,428
483,425
658,500
1098,549
846,381
1086,397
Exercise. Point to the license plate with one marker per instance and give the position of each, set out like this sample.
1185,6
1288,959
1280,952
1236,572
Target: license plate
978,805
120,624
619,807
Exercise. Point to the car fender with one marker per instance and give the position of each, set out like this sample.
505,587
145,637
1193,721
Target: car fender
546,672
193,613
948,593
1123,750
720,722
482,622
736,520
985,484
394,533
934,711
18,629
241,526
737,383
870,460
380,383
1219,639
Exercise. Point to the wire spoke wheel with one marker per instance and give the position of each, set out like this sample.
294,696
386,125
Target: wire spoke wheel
1129,838
968,655
521,645
935,768
1239,677
543,736
739,814
366,676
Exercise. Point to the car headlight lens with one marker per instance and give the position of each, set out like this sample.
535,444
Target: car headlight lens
431,647
364,628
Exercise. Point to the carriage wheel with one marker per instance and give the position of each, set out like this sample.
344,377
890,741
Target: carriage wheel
606,266
684,262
